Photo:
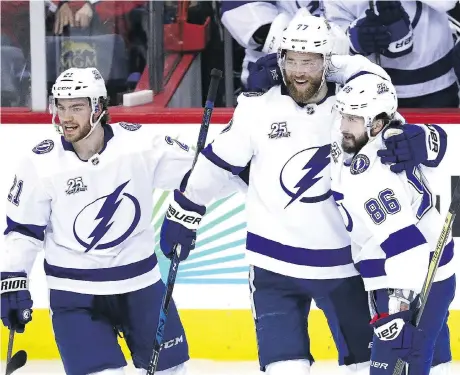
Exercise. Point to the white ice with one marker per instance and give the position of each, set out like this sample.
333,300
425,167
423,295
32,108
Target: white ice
196,367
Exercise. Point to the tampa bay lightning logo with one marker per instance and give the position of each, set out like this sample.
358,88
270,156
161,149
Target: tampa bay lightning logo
43,147
114,218
359,164
301,173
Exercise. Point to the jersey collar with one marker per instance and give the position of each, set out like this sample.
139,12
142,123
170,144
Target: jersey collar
108,135
330,92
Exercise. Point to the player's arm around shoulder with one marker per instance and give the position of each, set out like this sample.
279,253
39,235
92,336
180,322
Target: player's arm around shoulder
344,68
381,201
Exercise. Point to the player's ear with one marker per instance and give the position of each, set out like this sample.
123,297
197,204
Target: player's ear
377,126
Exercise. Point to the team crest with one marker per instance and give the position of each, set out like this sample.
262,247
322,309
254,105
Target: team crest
382,88
129,126
306,176
359,164
43,147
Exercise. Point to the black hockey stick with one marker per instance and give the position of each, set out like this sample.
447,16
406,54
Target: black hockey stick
216,75
377,54
434,264
16,361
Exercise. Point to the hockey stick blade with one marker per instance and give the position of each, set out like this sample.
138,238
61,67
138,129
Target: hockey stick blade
18,360
434,264
216,75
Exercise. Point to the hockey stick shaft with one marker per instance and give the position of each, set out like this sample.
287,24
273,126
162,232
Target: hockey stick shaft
216,75
434,264
10,345
377,54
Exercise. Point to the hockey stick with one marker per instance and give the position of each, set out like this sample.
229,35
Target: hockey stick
216,75
377,54
16,361
434,264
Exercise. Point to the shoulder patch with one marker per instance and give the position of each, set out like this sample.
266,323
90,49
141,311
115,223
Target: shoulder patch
359,164
129,126
252,93
43,147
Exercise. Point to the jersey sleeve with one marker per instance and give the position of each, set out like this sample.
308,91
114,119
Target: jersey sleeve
344,68
338,13
226,157
382,203
28,210
173,166
243,18
172,160
441,5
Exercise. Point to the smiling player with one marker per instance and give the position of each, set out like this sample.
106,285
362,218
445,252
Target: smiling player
86,198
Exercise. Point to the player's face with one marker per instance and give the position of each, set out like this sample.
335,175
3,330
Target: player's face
304,74
74,116
354,135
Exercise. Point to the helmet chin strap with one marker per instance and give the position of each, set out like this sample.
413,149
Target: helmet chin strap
93,124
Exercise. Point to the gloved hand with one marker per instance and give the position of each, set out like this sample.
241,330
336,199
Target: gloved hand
410,145
264,73
368,34
397,334
179,226
393,16
16,302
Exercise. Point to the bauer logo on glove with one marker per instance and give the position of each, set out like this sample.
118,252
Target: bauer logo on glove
187,217
390,330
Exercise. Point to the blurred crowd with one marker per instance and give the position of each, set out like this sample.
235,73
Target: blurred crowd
415,41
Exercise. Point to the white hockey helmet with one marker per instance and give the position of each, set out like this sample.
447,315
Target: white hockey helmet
79,83
306,33
367,96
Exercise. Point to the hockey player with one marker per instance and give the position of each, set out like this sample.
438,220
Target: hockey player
257,26
393,226
398,30
86,197
297,246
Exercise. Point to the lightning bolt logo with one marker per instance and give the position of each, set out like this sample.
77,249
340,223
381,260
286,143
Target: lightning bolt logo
105,215
314,166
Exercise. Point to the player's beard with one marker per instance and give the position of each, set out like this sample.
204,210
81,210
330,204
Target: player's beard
353,144
78,134
309,90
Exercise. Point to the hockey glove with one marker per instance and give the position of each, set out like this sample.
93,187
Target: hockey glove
179,226
396,334
409,145
16,302
368,34
264,73
393,15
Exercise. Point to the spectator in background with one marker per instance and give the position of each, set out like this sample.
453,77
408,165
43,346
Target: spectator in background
414,42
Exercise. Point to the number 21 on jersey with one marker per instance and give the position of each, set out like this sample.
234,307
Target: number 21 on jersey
15,191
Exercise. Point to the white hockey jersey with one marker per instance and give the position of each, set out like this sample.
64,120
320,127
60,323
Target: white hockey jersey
293,225
93,218
391,219
243,18
428,68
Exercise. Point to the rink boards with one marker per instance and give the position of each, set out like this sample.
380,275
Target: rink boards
211,290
